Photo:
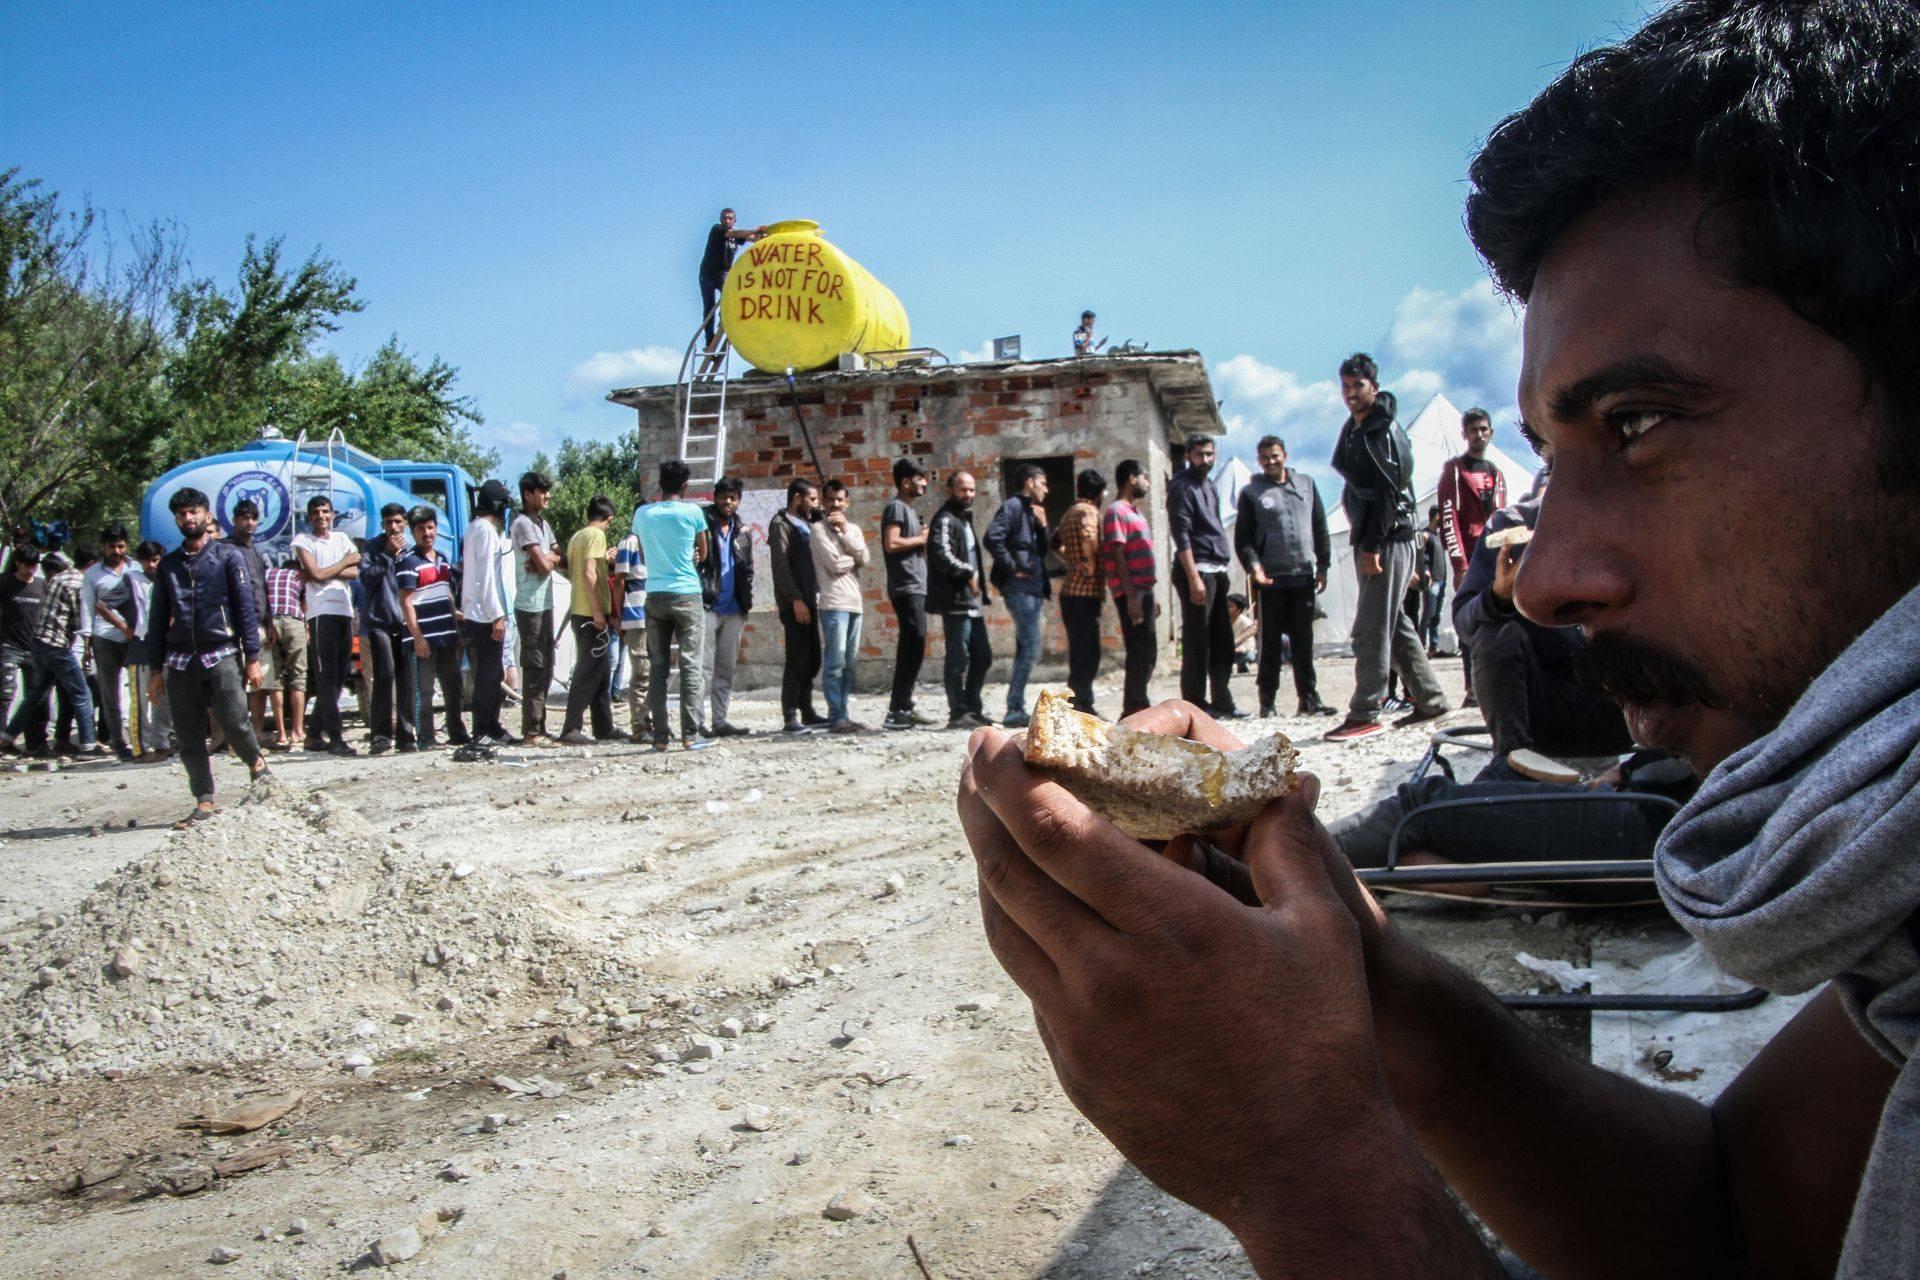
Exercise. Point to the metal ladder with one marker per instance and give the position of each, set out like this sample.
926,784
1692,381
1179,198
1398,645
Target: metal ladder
700,403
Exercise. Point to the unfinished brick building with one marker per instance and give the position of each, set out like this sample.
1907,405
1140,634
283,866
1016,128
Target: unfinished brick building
1062,415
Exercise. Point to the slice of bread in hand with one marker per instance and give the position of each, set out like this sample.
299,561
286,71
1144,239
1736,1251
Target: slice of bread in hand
1151,785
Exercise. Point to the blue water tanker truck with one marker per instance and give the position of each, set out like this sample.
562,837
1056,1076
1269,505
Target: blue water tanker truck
280,475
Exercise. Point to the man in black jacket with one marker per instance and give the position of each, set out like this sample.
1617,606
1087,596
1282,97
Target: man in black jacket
956,590
200,621
726,582
1280,532
795,591
1375,458
1201,556
1017,538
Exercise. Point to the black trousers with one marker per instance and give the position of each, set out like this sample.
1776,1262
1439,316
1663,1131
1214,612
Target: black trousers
1081,616
487,657
1143,650
219,690
330,643
1206,646
801,664
1527,705
709,297
969,654
591,688
1286,614
910,615
536,668
391,709
442,668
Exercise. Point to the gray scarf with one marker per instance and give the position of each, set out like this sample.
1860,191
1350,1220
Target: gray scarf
1798,863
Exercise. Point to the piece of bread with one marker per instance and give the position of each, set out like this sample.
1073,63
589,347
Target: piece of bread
1513,536
1531,764
1151,785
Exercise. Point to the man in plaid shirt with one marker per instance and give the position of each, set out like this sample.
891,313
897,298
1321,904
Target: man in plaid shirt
1126,547
1077,541
52,661
286,657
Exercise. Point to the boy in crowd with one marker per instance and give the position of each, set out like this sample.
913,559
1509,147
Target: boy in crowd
328,565
107,603
957,590
386,640
427,583
483,610
839,553
537,554
592,618
1077,543
903,547
674,539
726,587
630,589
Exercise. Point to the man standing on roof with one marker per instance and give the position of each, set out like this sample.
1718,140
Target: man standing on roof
1083,343
722,240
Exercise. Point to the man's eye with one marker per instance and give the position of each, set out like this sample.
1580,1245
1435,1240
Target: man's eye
1631,424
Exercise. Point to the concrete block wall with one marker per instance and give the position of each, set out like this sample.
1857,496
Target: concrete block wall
947,418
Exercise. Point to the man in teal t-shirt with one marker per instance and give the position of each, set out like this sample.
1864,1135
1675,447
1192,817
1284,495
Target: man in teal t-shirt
673,537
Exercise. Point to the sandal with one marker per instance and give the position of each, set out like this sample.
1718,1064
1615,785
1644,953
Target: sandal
194,819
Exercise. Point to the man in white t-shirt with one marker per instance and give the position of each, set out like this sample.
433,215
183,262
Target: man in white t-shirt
328,564
483,608
537,554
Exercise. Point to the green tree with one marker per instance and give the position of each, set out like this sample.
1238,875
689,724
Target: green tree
584,468
84,326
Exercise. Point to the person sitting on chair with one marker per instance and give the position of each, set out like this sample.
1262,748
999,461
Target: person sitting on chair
1524,672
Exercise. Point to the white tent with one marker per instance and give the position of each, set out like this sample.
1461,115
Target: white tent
1435,433
1229,478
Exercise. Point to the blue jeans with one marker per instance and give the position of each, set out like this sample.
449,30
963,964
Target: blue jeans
48,666
1026,646
840,637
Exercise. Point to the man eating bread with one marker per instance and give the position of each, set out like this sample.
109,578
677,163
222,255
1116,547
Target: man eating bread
1710,225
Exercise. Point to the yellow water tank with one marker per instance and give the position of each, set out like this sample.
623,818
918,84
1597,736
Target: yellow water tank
793,300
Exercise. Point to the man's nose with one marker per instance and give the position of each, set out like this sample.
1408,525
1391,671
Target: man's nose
1576,570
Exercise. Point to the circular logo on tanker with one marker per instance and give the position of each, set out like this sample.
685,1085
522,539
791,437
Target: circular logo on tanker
267,493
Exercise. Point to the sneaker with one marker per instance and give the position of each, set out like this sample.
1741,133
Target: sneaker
458,739
125,754
1232,713
407,748
797,726
897,720
810,716
1417,716
576,738
922,719
1266,711
695,743
728,729
341,749
499,740
847,726
380,746
978,721
613,735
1016,720
93,751
1314,707
1355,729
965,720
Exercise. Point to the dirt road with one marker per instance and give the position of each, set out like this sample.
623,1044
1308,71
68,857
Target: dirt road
605,1013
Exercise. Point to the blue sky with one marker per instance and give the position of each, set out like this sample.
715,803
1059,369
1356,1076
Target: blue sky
524,190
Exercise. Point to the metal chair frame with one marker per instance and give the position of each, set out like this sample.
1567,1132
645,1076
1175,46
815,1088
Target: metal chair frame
1627,871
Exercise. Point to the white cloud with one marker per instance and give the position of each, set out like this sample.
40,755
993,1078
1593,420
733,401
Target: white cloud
602,371
516,439
1466,344
974,355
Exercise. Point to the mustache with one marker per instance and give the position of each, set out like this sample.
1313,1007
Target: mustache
1628,669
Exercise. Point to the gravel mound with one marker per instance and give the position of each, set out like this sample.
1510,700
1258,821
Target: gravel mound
282,927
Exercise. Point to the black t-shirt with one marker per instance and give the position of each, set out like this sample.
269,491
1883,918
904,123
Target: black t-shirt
906,570
20,609
719,254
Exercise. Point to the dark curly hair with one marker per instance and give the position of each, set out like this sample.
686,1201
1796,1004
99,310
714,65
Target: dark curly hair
1800,120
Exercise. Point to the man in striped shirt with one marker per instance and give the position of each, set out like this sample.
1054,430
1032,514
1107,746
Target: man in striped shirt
1126,547
1077,541
426,580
